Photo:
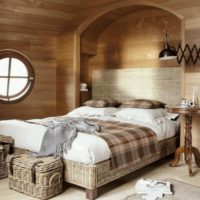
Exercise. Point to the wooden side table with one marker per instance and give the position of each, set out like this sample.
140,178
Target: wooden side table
85,96
187,149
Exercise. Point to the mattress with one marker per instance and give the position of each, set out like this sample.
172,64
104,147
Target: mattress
86,148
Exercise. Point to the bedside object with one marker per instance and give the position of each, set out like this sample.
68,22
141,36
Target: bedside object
83,87
85,96
187,149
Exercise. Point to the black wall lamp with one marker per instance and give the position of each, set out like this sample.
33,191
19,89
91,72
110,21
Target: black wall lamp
169,52
188,54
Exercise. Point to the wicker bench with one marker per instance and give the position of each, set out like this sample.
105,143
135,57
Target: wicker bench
38,177
5,144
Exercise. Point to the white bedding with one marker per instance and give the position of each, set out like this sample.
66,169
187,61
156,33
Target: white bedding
88,149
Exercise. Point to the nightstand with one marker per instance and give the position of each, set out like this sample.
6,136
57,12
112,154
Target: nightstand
85,96
187,149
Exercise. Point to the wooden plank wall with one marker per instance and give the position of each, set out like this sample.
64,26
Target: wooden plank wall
189,9
41,52
134,40
66,74
32,27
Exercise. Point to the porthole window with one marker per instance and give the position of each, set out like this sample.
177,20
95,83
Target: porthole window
16,76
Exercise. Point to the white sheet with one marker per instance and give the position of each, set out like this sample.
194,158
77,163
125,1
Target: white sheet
163,127
88,149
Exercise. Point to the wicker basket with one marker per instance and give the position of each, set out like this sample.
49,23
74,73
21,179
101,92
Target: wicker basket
38,177
5,143
6,139
3,166
4,149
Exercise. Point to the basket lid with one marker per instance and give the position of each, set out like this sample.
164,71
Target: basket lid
6,139
41,164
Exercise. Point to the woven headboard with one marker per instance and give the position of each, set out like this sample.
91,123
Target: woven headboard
163,84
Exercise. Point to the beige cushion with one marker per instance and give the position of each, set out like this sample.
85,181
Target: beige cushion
143,103
101,103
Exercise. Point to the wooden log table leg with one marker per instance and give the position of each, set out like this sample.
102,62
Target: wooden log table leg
178,152
188,142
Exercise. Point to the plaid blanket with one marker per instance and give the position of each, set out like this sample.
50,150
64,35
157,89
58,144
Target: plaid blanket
128,143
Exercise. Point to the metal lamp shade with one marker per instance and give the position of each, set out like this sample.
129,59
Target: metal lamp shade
169,52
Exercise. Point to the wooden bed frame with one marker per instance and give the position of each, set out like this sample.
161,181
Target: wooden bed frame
91,177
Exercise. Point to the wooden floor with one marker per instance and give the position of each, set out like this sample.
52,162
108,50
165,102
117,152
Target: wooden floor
117,189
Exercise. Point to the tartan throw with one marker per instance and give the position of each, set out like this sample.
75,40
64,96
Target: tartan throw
128,143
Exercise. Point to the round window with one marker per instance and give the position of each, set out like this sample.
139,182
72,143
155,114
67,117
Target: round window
16,76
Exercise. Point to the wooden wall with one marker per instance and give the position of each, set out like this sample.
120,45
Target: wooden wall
134,40
41,52
32,27
66,74
189,10
35,28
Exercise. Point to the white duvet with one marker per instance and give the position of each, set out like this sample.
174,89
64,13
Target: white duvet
88,149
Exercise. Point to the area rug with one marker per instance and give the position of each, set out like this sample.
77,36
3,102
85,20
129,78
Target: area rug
181,191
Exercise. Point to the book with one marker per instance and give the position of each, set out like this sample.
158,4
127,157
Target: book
152,189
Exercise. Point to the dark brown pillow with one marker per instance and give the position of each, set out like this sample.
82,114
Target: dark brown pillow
101,103
143,103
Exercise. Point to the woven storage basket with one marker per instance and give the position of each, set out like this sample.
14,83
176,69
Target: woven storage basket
5,143
38,177
6,139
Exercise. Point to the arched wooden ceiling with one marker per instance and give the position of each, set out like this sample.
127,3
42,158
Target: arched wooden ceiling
100,24
52,16
40,16
90,35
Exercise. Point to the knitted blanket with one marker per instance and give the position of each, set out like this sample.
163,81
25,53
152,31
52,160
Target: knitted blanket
61,133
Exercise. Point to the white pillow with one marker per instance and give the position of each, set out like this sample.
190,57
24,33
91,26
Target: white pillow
91,111
139,114
172,116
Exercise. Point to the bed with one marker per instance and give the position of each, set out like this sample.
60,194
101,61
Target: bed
88,163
